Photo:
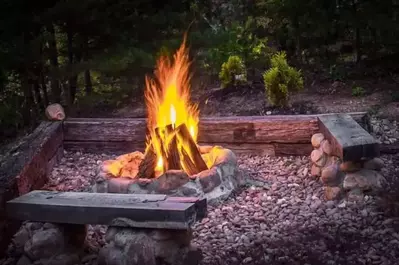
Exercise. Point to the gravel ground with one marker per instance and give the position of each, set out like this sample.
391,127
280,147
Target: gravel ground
279,217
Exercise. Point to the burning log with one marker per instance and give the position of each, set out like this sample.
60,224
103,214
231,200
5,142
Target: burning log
172,154
147,166
178,151
191,158
160,140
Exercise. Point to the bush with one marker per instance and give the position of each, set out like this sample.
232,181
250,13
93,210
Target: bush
358,91
233,72
280,80
337,73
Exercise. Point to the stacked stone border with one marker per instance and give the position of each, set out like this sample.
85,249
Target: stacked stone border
349,179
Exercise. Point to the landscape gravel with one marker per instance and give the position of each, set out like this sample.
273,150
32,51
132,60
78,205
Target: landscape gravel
279,216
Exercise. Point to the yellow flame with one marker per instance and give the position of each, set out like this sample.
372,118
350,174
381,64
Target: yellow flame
173,115
168,99
159,166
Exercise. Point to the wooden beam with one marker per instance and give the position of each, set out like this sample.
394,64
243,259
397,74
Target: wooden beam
242,134
25,165
143,211
262,129
27,158
111,147
348,139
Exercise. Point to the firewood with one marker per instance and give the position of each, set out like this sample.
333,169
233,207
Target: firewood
147,166
172,153
189,167
160,139
191,157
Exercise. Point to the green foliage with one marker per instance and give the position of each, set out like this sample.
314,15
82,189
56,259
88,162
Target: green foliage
337,73
358,91
218,43
11,104
233,72
280,80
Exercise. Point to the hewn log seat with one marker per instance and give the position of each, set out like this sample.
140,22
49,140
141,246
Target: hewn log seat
349,141
141,211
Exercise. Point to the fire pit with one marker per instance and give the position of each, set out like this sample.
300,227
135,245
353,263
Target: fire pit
179,154
172,163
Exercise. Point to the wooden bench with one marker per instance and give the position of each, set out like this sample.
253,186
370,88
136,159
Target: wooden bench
142,211
348,139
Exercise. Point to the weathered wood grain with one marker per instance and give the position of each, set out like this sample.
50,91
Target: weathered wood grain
104,129
148,211
24,166
278,149
285,149
260,129
200,204
248,149
348,139
104,146
362,118
268,135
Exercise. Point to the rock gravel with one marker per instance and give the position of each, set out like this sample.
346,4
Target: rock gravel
279,216
384,130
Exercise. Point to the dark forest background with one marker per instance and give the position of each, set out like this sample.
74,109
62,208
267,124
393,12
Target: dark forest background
94,54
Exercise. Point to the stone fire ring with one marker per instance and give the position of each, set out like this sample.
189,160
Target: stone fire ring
215,184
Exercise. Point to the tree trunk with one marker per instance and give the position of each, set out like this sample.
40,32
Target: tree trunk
27,111
55,84
357,40
38,96
375,42
88,83
73,79
357,44
44,89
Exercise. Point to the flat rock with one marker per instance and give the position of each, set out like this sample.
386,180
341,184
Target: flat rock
332,193
350,166
374,164
44,244
315,171
134,248
316,140
326,147
364,179
329,174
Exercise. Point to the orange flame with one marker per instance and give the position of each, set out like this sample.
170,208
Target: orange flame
167,99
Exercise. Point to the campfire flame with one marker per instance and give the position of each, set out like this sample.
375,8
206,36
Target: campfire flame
167,98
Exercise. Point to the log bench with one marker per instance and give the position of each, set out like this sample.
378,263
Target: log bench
346,158
349,141
146,223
